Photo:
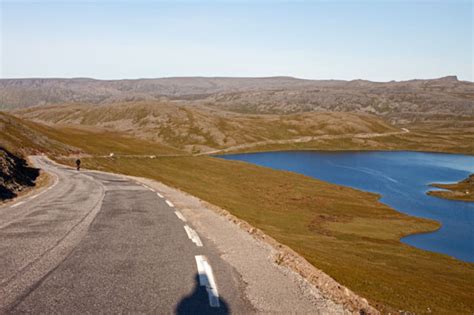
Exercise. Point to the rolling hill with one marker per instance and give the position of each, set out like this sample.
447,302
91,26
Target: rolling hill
200,129
23,137
399,102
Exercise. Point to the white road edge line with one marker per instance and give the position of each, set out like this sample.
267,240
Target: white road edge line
206,279
17,204
159,195
56,180
193,236
170,203
180,216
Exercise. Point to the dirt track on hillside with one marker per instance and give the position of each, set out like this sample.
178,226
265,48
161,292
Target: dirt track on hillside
305,139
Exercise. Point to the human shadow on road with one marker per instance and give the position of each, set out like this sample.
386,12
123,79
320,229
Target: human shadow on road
198,302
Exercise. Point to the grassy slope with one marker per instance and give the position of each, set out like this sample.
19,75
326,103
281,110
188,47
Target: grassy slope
22,137
418,139
345,232
26,137
195,128
102,142
198,128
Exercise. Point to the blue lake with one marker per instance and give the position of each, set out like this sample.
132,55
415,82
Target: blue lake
402,178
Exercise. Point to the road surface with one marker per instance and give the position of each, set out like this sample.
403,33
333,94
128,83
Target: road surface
101,243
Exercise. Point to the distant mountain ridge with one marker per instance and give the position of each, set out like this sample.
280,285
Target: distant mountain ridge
273,95
17,93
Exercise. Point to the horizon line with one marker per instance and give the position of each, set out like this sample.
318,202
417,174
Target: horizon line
233,77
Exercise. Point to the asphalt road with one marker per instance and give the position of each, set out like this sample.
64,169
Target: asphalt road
99,243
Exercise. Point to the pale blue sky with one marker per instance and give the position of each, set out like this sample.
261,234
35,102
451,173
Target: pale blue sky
375,40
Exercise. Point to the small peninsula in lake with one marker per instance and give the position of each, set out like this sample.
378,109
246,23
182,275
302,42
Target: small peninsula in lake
463,190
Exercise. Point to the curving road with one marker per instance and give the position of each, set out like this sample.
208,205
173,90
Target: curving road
99,243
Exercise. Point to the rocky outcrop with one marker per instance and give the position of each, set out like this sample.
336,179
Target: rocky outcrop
15,175
469,180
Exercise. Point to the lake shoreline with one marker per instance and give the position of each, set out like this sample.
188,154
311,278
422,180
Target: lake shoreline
336,150
343,167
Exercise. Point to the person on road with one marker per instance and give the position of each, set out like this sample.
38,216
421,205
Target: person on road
78,164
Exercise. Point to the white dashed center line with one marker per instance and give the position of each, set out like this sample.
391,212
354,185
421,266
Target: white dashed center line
193,236
149,188
159,195
206,279
180,216
170,203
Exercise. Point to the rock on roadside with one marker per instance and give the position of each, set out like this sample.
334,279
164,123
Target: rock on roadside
15,175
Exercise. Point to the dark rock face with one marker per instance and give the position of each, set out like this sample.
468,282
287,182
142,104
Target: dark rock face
469,180
15,175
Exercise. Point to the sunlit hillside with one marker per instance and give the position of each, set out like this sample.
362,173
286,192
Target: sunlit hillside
199,129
